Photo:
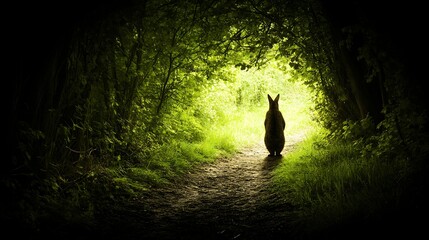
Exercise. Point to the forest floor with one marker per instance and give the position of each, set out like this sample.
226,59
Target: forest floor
227,199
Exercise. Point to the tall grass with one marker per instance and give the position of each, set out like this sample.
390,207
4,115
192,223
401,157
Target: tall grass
168,162
331,184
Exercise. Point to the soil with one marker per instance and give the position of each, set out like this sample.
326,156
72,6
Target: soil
227,199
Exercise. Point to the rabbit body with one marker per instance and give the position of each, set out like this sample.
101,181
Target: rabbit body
274,128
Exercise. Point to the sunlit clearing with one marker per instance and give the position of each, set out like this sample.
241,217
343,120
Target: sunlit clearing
238,104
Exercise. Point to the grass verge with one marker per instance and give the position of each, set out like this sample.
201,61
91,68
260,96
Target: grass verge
333,188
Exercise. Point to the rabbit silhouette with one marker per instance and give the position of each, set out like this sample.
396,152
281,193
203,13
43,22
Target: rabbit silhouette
274,128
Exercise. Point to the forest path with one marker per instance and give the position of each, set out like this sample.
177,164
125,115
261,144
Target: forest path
227,199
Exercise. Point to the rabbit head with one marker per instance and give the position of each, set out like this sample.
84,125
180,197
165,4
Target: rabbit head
274,104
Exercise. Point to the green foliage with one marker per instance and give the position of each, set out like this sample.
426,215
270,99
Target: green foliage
146,93
405,126
333,183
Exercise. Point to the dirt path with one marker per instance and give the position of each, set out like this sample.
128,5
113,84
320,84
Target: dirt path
227,199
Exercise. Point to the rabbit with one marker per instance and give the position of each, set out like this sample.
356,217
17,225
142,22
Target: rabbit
274,128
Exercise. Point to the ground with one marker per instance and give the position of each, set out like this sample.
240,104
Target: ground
227,199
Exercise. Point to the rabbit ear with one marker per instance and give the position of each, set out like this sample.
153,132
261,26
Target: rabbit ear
269,98
277,98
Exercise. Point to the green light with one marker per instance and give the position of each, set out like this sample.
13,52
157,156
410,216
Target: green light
238,106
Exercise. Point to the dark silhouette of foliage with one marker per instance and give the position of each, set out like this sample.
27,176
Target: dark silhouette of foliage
103,84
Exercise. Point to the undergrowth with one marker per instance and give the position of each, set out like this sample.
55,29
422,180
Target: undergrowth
333,183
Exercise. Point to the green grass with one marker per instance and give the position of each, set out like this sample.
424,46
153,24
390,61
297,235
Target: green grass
170,161
330,184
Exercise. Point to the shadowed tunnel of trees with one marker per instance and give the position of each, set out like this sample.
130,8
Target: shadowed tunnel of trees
108,84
